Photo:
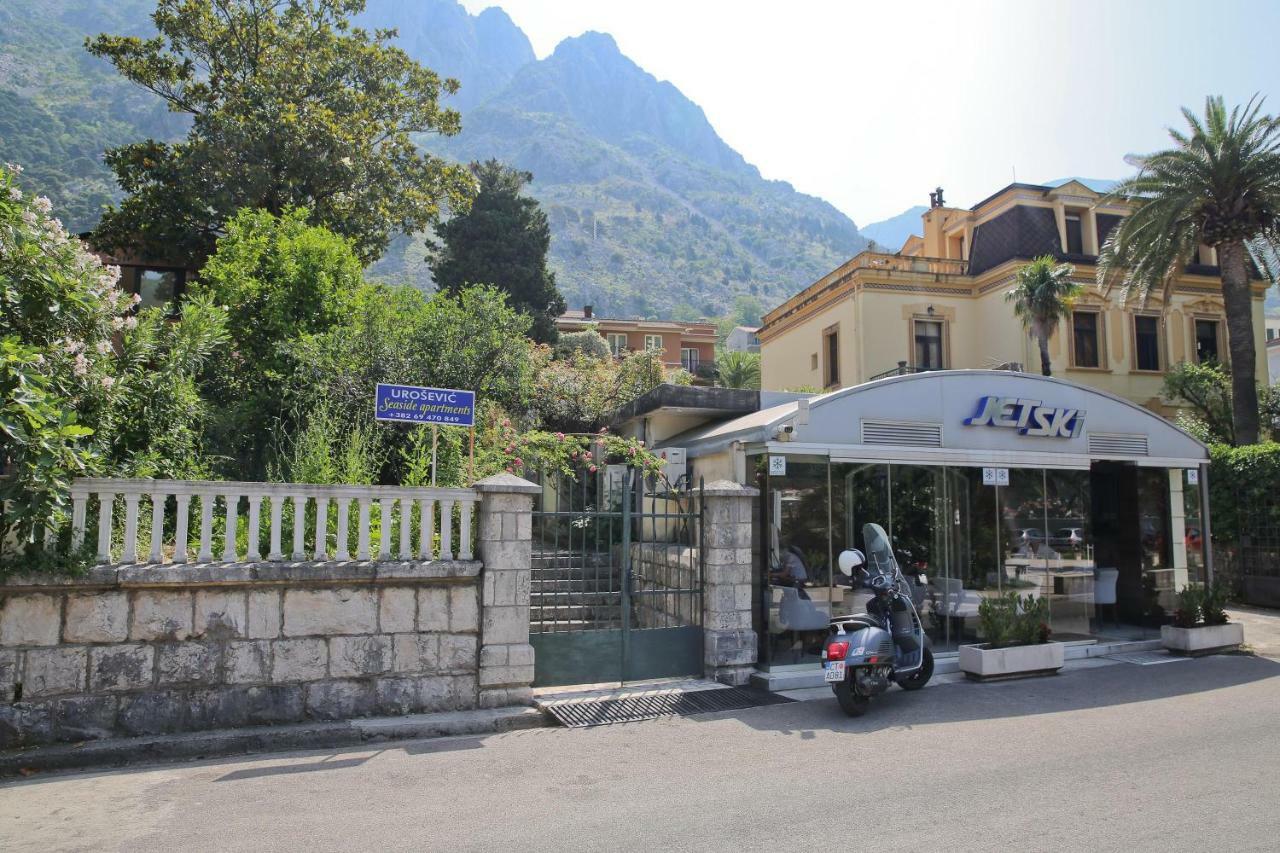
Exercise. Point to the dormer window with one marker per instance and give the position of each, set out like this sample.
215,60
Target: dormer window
1075,235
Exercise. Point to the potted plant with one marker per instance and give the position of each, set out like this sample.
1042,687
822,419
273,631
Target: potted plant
1017,640
1200,625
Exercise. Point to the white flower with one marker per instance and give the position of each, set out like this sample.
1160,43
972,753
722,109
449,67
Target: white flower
71,347
42,204
117,323
136,298
29,217
103,347
131,322
15,194
81,366
13,167
107,382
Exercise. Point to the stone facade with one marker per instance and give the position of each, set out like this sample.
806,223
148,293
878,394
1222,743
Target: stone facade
141,650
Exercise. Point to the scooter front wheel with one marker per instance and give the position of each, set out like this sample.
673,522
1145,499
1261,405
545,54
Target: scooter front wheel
921,676
851,701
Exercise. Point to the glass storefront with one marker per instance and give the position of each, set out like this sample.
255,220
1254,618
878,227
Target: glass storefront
1034,537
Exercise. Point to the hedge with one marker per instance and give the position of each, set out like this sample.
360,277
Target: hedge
1243,484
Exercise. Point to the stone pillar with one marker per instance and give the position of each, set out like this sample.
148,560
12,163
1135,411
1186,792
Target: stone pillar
505,547
729,651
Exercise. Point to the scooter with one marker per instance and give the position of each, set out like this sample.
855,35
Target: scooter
865,652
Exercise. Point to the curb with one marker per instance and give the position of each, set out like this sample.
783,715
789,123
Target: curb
116,752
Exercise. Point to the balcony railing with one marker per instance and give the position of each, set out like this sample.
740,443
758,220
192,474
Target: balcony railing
400,510
905,369
907,263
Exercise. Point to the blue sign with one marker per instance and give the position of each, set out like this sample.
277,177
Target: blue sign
1028,417
425,405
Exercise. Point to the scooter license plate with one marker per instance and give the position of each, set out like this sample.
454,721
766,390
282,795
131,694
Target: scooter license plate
834,671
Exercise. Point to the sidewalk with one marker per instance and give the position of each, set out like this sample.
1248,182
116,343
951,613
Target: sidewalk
1261,628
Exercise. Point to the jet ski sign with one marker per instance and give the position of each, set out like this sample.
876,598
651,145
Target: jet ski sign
1028,417
410,403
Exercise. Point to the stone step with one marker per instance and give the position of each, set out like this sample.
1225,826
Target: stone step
552,586
575,612
573,625
576,573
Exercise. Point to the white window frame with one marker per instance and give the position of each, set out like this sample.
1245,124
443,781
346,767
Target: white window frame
617,342
689,359
650,345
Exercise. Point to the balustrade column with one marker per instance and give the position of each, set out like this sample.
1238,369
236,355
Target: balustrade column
464,531
299,522
157,527
341,552
427,530
446,530
322,527
180,528
406,525
130,554
362,543
255,510
277,516
205,554
384,541
79,507
106,501
229,540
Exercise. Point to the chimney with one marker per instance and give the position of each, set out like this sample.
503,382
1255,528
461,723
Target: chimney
586,312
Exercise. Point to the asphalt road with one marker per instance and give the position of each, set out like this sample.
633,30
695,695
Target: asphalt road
1180,755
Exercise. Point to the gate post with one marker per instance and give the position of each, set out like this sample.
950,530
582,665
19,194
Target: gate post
729,650
505,545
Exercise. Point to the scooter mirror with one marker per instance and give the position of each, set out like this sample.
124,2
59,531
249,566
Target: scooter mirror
850,560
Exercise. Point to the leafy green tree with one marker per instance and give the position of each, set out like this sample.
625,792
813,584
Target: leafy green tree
89,386
1207,389
290,107
503,241
578,393
1218,186
738,369
587,341
1042,294
279,279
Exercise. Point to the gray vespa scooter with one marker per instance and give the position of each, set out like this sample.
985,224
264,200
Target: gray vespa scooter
867,651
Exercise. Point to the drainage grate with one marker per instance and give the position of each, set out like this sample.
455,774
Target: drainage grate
1145,658
580,713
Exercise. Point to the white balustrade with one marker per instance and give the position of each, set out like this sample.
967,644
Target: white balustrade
398,508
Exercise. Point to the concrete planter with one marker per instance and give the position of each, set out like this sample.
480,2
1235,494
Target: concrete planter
1202,640
983,663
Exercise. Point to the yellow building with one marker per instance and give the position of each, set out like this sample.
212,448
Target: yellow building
939,303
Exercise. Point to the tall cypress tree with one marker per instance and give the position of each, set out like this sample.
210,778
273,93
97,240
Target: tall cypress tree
502,240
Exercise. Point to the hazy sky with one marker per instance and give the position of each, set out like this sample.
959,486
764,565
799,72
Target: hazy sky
870,105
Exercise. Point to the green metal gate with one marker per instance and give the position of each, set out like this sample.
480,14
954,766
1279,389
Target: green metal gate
616,589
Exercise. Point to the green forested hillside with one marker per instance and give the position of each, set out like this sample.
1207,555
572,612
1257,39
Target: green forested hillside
651,211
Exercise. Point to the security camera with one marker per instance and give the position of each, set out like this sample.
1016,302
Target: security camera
788,428
785,432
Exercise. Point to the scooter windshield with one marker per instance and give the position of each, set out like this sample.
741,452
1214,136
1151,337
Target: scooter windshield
880,560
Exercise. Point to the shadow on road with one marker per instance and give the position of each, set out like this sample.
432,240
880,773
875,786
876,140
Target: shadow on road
1096,687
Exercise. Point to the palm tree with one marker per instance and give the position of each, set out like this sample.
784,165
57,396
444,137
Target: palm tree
1042,294
739,369
1219,186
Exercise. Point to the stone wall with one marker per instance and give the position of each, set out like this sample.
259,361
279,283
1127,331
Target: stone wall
153,649
147,650
664,565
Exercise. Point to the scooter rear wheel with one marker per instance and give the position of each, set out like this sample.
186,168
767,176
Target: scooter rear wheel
921,676
851,701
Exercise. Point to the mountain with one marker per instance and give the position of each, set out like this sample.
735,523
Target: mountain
891,233
652,213
482,51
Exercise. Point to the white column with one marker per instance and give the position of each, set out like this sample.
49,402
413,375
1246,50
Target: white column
180,520
232,502
130,554
157,527
406,524
1178,529
384,541
446,530
341,552
299,523
362,545
464,531
277,522
322,526
205,555
79,506
255,512
105,502
427,530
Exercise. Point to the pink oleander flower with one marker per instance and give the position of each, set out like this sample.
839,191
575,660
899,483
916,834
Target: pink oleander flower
587,456
103,347
107,382
511,448
560,436
81,365
131,322
518,462
71,347
136,299
593,469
